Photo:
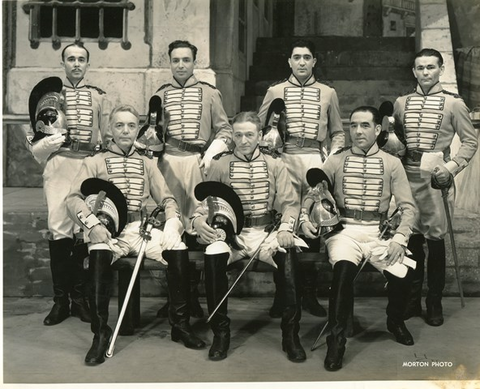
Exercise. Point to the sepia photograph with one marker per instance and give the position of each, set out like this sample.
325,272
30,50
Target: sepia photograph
241,193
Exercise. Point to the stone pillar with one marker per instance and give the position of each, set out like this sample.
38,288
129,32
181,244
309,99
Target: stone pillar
178,20
433,30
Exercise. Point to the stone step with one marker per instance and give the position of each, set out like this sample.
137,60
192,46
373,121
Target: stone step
350,94
332,73
333,43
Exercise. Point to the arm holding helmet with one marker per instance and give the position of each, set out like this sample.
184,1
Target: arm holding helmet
79,211
161,194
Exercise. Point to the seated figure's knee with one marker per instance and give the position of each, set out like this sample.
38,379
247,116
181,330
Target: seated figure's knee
218,247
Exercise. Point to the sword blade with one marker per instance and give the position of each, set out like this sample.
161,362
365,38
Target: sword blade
452,242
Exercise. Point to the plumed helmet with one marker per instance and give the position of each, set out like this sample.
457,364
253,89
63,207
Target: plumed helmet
387,140
323,211
150,136
275,126
47,108
111,209
225,211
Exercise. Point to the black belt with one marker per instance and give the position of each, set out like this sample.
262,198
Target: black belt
252,221
78,146
302,142
414,155
358,214
184,146
139,215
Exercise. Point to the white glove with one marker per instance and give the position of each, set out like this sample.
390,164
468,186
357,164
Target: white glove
172,233
42,149
216,147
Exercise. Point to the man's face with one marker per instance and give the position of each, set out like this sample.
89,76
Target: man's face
75,63
363,131
182,64
246,137
124,126
427,72
302,63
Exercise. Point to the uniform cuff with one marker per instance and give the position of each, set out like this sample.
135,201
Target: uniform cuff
400,239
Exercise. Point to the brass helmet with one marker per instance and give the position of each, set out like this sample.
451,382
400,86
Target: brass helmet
322,208
387,140
225,211
47,108
107,202
275,127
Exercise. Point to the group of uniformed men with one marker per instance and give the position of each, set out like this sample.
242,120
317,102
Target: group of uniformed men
224,187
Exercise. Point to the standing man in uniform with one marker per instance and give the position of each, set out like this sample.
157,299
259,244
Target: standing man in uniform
363,180
138,178
196,129
259,180
61,157
427,120
312,116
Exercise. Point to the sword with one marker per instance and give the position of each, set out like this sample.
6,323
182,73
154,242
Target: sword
385,227
452,242
145,232
244,269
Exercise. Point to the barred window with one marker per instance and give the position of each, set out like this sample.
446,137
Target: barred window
58,21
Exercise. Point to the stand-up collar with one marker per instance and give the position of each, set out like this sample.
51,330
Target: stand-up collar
113,147
437,88
67,83
255,155
190,81
372,150
295,81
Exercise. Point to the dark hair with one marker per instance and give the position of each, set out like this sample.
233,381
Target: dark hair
303,43
123,108
248,116
76,44
429,53
367,108
178,44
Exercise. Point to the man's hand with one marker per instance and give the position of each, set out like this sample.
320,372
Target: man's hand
42,149
99,234
395,253
285,239
206,232
216,147
442,175
172,233
309,230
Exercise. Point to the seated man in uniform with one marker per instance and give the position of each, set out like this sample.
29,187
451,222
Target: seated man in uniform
259,180
138,177
362,180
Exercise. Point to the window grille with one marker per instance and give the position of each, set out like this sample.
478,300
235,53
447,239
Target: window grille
242,25
101,21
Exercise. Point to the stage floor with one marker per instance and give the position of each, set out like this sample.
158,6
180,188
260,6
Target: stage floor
34,353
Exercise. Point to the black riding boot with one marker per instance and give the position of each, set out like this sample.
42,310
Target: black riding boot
216,286
309,275
397,289
60,265
435,281
196,309
178,291
340,306
414,300
100,290
277,307
79,307
292,312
